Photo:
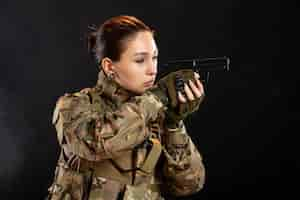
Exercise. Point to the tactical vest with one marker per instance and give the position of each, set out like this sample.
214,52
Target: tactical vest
132,170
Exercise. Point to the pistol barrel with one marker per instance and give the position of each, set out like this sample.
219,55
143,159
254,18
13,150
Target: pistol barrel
203,65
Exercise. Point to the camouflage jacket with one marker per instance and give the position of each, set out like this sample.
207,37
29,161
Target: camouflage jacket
115,145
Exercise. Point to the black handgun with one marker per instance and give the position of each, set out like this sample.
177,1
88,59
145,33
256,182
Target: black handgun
203,66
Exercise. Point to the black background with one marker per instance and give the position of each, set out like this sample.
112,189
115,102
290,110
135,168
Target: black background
239,129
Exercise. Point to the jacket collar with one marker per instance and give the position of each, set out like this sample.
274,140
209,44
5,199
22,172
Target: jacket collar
112,89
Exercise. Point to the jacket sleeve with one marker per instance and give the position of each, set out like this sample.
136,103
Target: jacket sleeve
95,135
183,168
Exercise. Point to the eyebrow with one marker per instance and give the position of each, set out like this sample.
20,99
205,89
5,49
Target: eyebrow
144,53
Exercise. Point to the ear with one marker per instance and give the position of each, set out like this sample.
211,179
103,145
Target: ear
107,66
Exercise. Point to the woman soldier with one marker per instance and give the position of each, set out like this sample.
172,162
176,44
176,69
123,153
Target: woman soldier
125,138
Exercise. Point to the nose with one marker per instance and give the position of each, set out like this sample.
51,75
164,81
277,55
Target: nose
152,68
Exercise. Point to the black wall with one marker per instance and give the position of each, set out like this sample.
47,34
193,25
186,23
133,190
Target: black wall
239,129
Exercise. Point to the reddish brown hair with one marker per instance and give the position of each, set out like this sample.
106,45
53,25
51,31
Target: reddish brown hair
109,40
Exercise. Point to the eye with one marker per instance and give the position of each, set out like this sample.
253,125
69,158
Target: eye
140,60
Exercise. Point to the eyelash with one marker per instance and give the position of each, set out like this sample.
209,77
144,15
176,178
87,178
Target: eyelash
140,61
143,60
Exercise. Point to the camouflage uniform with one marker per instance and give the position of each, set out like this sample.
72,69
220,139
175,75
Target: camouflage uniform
115,145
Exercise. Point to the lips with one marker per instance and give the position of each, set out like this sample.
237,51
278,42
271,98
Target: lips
149,83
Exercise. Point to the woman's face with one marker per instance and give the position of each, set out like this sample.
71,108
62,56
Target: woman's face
136,70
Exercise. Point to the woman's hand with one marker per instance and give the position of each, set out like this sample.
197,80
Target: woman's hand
193,90
180,104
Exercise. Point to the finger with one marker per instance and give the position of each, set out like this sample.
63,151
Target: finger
200,86
181,98
196,75
195,89
188,92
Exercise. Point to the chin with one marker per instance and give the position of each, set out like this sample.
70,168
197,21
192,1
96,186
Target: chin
138,90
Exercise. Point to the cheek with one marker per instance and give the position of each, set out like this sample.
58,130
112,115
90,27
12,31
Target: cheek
137,78
133,76
136,71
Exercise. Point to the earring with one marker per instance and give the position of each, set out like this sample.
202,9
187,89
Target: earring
111,76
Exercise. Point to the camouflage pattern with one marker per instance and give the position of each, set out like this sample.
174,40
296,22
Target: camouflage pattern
171,84
114,145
